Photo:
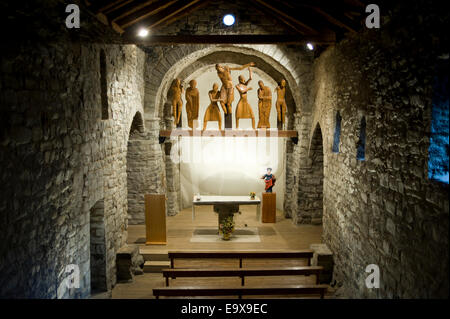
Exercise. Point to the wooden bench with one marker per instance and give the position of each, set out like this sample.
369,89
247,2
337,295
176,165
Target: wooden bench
307,253
243,272
241,291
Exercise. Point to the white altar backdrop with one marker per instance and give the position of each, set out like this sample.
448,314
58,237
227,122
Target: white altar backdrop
227,165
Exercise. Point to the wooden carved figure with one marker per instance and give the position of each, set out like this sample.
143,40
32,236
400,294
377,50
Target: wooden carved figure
264,105
269,179
227,90
243,109
177,103
213,112
192,104
281,104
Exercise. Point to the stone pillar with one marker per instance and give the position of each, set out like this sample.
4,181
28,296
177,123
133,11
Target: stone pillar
173,181
144,170
292,164
129,263
323,257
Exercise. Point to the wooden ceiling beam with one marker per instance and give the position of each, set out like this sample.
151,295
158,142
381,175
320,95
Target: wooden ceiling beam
265,11
276,9
143,13
336,18
182,14
96,5
151,21
128,9
114,5
309,17
229,39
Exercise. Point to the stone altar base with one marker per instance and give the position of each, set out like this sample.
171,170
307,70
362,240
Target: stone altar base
225,210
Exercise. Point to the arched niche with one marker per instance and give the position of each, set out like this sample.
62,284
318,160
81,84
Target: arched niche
221,54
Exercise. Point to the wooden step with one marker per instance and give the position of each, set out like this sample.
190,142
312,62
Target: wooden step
156,266
318,290
158,256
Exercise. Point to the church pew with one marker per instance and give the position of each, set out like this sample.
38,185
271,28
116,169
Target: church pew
241,291
243,272
307,253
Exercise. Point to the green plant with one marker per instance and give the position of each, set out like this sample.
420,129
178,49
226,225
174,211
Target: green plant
252,194
227,226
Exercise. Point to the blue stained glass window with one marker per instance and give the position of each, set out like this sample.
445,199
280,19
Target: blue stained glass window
439,146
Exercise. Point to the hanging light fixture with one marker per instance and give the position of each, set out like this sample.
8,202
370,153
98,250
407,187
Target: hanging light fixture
229,19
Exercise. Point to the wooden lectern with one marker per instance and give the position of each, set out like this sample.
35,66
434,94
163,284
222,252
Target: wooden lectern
269,207
155,219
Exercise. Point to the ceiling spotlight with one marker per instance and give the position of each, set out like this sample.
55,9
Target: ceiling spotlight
143,33
310,46
229,19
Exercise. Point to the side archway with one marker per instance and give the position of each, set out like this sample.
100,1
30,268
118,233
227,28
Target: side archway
310,201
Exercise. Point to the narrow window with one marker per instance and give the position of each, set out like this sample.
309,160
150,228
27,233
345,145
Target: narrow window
439,145
103,86
361,145
337,133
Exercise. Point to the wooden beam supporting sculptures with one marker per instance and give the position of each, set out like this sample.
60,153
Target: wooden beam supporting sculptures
229,133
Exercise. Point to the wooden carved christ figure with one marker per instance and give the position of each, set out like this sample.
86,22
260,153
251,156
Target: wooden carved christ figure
243,109
264,105
281,104
227,90
192,104
177,103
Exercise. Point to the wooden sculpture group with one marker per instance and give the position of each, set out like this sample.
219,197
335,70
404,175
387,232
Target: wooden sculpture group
225,96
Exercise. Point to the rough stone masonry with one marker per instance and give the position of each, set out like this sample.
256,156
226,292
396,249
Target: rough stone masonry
72,179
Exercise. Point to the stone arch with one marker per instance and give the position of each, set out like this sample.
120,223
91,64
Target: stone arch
179,61
139,169
311,185
175,61
137,124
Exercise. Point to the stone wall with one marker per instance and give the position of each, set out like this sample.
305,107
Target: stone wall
59,158
208,20
145,171
384,210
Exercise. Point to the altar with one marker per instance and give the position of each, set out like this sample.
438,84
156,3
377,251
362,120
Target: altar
226,205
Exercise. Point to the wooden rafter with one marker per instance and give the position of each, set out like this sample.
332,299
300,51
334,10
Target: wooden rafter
143,13
114,5
320,20
337,18
308,17
182,14
151,21
128,9
281,12
267,12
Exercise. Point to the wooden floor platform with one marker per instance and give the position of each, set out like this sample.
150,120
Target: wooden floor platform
279,236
